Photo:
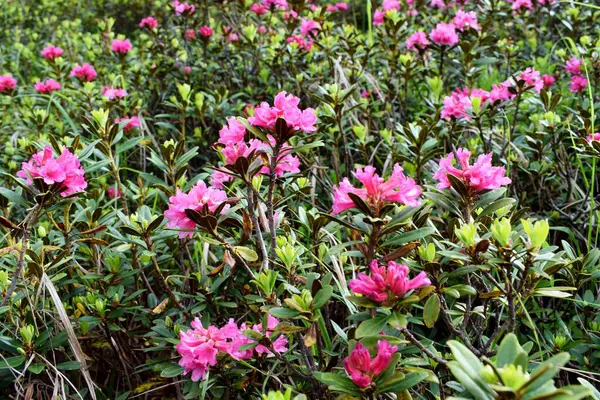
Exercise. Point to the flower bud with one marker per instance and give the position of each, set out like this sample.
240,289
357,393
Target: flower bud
537,232
501,230
513,376
467,234
487,374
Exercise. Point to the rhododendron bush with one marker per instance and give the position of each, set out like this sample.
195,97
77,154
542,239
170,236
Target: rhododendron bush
299,199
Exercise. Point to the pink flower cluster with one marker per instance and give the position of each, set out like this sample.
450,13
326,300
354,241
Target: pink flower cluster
84,72
112,93
362,369
199,196
199,346
286,107
417,41
51,52
121,46
205,31
578,81
337,7
47,87
7,83
302,42
281,4
465,20
479,176
377,192
387,284
232,137
184,9
444,34
65,170
387,5
593,136
149,22
132,122
258,8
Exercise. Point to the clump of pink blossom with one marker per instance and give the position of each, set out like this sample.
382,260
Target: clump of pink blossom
84,72
309,27
113,193
444,34
190,34
184,9
281,4
112,93
362,369
121,46
337,7
548,80
65,171
47,87
131,122
258,9
521,5
417,41
205,31
51,52
285,106
199,196
378,17
301,41
7,83
532,78
465,20
573,66
377,191
387,284
456,105
149,22
479,176
593,137
578,83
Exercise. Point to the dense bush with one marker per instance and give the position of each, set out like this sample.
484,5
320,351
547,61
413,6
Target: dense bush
299,199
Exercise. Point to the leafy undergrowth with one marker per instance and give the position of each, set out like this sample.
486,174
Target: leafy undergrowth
299,199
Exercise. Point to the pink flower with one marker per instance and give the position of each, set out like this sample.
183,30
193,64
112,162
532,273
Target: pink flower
7,83
521,5
205,31
149,22
187,70
51,52
464,20
285,107
388,5
113,93
309,27
233,132
438,4
387,284
578,83
479,176
302,43
113,193
378,16
456,105
199,196
184,9
377,192
532,78
48,86
593,136
573,66
279,345
258,9
281,4
218,178
190,34
233,37
444,34
417,41
361,369
262,29
548,80
132,122
337,7
84,72
500,93
65,170
120,46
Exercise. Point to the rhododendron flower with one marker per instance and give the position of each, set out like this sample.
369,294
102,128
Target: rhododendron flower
258,9
301,42
417,41
84,72
444,34
149,22
48,86
397,189
573,66
387,284
190,34
199,196
281,4
120,46
205,31
388,5
479,176
500,93
438,4
464,20
337,7
578,83
233,37
285,107
184,9
66,171
362,369
309,27
132,122
113,193
187,70
378,17
218,178
234,131
456,105
113,93
279,345
51,52
548,80
7,83
521,5
593,136
261,29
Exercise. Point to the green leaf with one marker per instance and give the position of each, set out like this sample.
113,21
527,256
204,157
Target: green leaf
508,350
68,365
322,296
371,327
246,253
171,371
36,368
400,382
470,385
283,312
337,382
410,236
546,371
495,206
431,311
